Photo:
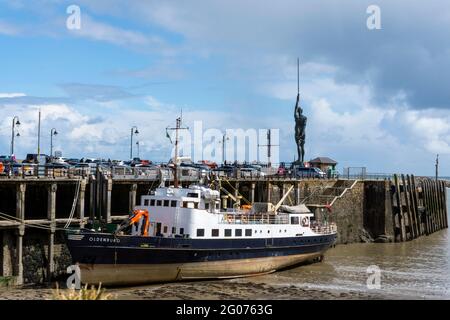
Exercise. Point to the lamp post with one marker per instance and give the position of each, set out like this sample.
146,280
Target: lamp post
224,139
15,122
138,153
136,131
53,132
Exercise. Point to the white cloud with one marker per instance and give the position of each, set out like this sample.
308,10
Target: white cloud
12,95
8,29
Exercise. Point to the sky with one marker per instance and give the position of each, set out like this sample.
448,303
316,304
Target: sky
374,98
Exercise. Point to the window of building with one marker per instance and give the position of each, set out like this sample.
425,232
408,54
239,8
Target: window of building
166,203
165,229
158,203
200,232
227,232
173,203
238,232
152,202
215,232
248,232
294,220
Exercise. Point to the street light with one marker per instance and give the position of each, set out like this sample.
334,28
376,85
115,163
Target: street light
53,132
137,144
224,139
131,143
15,122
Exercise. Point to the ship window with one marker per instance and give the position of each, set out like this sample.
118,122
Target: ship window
268,231
158,203
166,203
196,205
185,204
173,203
294,220
248,232
152,202
181,230
215,232
217,206
174,230
238,232
227,232
165,229
200,232
146,202
192,195
206,205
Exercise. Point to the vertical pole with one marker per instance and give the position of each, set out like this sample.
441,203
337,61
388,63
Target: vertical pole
92,190
437,167
108,199
132,195
400,209
12,136
51,215
81,202
175,182
131,144
297,193
20,214
39,134
412,233
416,206
223,149
252,193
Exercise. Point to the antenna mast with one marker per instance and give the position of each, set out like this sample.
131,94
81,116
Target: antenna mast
177,127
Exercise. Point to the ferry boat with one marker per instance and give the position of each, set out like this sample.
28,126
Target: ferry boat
180,233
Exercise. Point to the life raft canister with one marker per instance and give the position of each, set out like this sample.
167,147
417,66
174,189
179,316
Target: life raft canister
230,218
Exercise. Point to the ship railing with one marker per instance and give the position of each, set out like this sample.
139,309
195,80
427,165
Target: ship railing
327,228
233,218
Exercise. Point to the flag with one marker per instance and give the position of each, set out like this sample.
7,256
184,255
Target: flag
168,136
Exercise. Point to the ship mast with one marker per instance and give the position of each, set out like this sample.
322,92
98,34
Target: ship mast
177,128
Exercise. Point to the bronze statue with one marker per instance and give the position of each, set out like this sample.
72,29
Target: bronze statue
300,122
300,126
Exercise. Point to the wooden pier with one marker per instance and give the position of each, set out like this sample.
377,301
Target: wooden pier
36,209
419,206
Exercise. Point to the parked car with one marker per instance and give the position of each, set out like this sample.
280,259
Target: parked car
309,172
37,158
251,172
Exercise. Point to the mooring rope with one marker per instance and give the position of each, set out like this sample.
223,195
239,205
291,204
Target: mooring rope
37,225
74,204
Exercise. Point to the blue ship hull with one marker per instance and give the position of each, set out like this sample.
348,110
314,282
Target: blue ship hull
120,260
